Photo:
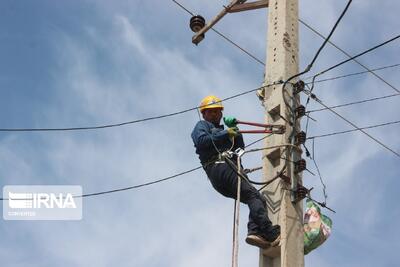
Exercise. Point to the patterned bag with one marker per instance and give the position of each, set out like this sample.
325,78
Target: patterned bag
317,227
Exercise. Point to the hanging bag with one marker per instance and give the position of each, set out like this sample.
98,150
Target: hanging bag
317,227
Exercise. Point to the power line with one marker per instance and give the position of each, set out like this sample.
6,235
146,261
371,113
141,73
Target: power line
127,122
132,187
224,36
141,185
352,74
354,57
310,94
354,130
355,102
351,103
348,55
319,173
330,34
314,97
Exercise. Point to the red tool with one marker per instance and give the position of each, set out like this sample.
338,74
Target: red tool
268,128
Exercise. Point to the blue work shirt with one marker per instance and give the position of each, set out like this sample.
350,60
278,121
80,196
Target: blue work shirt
206,133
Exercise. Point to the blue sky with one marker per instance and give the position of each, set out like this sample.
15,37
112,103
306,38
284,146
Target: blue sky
78,63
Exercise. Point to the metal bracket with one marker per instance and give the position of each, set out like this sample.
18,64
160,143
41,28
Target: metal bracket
249,6
239,152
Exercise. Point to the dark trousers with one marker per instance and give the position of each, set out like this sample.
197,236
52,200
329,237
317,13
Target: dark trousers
224,179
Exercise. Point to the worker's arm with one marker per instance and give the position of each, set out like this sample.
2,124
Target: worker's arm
204,136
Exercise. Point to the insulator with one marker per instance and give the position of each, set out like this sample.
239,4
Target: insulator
300,166
197,23
300,138
300,111
301,193
298,87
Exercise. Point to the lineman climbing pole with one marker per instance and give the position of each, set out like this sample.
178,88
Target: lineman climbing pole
282,63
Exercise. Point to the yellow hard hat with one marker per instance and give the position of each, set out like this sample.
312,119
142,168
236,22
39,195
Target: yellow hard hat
210,102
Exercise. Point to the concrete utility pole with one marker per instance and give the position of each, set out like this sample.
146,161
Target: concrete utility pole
282,63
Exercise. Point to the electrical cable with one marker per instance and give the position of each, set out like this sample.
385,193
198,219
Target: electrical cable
354,103
259,140
224,36
329,36
319,174
354,57
353,74
354,130
310,94
348,55
127,122
314,97
132,187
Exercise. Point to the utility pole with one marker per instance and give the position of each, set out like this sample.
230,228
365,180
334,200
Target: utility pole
284,206
282,63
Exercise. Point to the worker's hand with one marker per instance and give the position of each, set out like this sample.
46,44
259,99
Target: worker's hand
230,121
233,132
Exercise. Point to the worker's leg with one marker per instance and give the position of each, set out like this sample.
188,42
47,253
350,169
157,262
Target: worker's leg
252,227
224,180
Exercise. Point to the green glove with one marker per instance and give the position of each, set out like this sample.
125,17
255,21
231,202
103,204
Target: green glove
230,121
232,131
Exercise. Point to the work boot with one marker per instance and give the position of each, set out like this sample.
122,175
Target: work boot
257,240
265,241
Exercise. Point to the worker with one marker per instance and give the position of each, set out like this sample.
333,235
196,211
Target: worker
210,140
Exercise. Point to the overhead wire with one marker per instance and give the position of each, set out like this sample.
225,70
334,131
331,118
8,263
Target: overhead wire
355,102
127,122
348,55
311,95
319,172
354,57
315,98
223,36
354,130
132,187
353,74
